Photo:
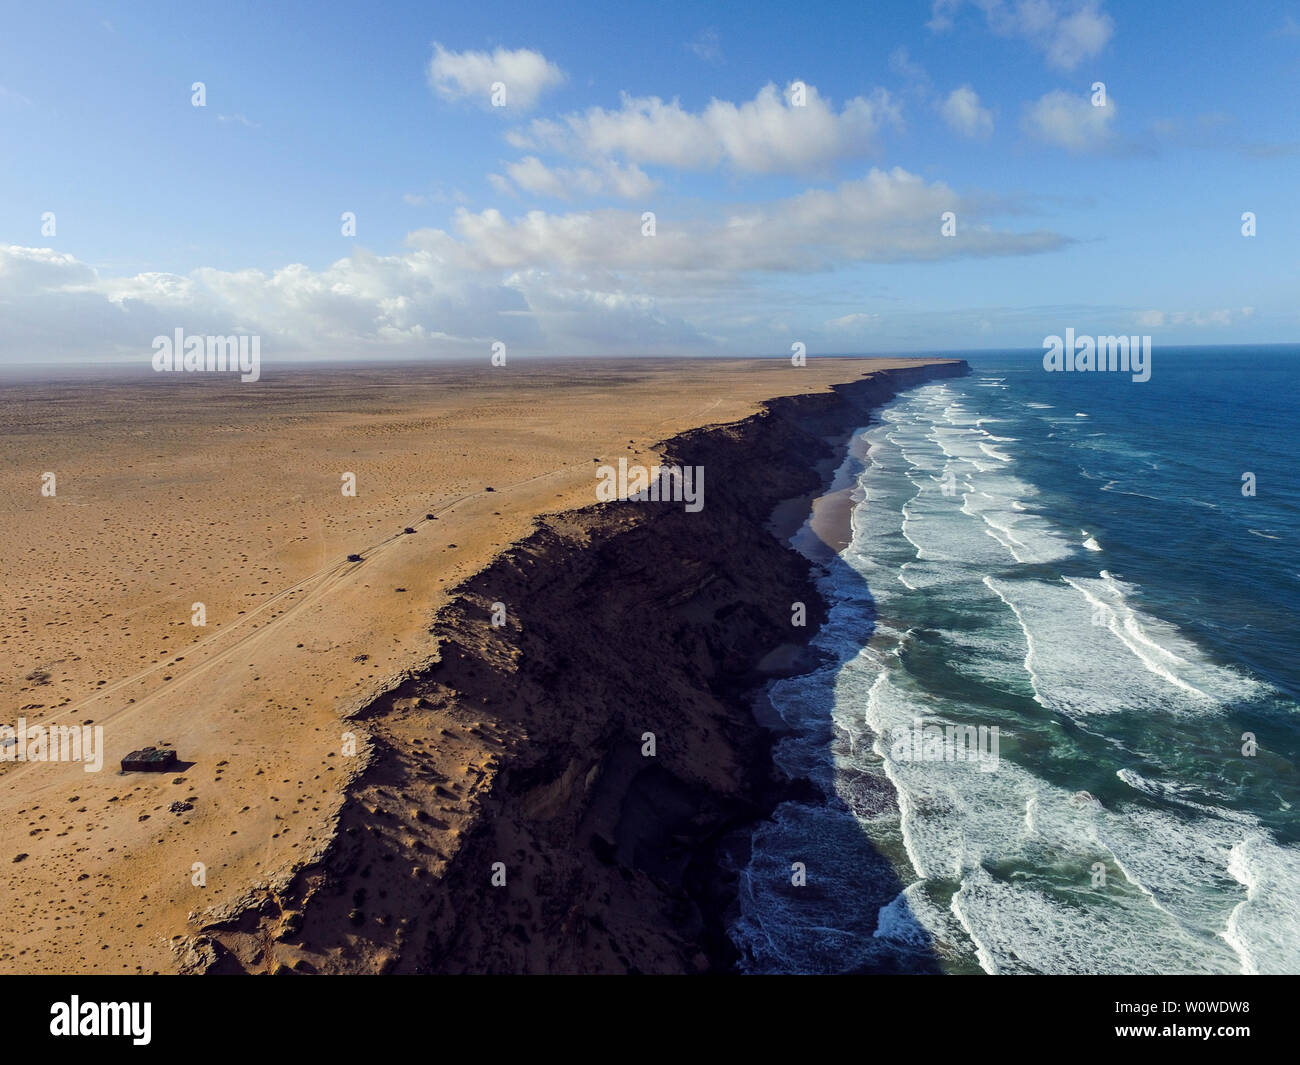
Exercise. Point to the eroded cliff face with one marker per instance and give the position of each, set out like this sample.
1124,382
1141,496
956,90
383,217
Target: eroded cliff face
522,755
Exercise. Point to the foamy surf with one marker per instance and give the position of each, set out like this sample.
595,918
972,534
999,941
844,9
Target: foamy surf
997,622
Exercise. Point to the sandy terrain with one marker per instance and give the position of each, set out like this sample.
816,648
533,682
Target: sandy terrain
174,490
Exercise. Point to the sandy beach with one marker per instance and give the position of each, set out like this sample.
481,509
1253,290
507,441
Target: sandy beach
170,493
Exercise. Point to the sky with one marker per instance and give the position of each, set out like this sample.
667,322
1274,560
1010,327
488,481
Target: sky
501,160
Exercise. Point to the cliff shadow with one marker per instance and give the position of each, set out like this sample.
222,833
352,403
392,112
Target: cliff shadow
816,894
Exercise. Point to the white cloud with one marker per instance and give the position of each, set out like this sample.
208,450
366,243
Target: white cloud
707,45
1070,121
852,322
240,120
1067,32
965,114
606,179
765,135
580,282
901,62
941,15
21,267
1079,36
155,288
525,74
56,306
1155,319
886,216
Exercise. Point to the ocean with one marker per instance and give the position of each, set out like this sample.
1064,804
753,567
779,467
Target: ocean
1077,567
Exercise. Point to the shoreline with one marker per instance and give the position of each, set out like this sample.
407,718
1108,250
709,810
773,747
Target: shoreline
826,526
818,525
613,860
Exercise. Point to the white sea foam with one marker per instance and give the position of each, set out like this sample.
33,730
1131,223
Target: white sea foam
1264,928
1003,864
1161,649
1085,641
1029,538
994,453
898,922
1172,792
956,824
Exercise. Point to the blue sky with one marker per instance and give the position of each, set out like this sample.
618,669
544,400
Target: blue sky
774,222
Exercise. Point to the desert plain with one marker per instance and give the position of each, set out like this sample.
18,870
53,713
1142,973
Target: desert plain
190,497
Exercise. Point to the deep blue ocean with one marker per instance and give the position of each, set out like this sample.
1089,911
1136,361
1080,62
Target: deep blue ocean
1079,561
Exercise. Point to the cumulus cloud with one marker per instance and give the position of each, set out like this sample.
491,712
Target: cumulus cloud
766,135
525,74
965,114
579,282
56,306
885,216
1067,32
1070,121
21,267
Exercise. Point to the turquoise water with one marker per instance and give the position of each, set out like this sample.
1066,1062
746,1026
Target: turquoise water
1070,559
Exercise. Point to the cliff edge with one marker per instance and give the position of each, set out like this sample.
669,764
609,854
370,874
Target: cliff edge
553,793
